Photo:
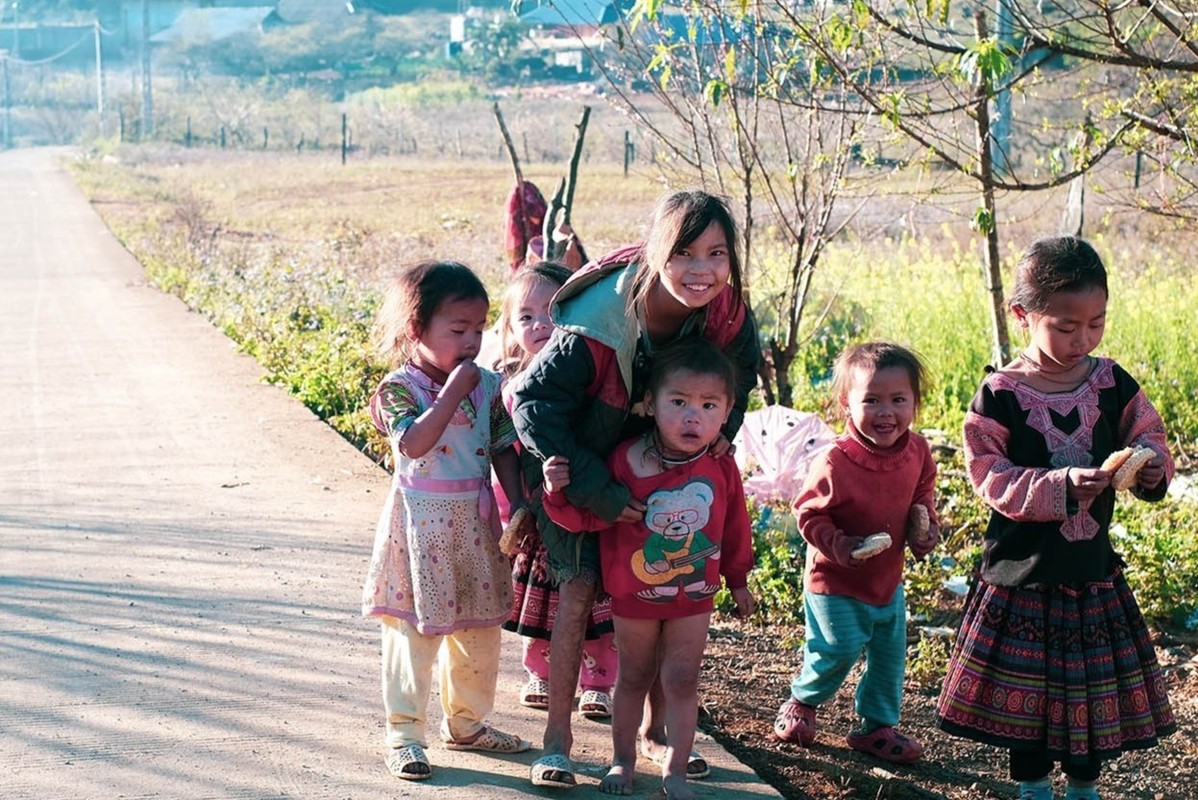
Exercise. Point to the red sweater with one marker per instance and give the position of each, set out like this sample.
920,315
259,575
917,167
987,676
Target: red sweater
852,490
696,529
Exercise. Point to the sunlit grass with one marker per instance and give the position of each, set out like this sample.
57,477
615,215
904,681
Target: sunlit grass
286,253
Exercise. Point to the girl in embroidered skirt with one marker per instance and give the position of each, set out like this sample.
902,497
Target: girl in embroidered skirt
1053,661
865,501
523,329
582,395
437,576
664,569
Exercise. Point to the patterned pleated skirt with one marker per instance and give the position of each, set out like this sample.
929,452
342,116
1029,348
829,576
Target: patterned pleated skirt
534,599
1067,670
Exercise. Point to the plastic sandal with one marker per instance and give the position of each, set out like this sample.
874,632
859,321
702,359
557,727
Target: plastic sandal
409,763
887,744
535,693
554,770
795,723
491,740
594,704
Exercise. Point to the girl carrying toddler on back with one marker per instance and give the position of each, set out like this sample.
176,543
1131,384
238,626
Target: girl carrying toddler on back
524,327
866,499
437,580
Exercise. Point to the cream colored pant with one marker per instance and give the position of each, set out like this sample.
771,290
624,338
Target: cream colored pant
469,668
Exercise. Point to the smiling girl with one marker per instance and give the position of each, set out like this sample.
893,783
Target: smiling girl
866,500
582,395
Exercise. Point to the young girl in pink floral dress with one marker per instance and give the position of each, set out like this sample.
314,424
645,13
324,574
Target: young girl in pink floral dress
437,580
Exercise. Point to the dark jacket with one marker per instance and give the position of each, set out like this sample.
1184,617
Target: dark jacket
573,400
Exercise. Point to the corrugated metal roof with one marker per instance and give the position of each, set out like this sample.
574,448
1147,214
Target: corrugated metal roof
212,24
573,13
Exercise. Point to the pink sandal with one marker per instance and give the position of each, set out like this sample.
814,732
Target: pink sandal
887,744
795,723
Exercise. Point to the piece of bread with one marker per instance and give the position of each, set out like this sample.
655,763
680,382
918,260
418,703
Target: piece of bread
873,544
1116,459
513,536
1125,476
918,523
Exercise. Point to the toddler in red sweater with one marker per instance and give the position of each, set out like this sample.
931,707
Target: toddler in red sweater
663,571
866,499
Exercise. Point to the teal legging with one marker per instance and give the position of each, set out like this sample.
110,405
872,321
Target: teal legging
838,630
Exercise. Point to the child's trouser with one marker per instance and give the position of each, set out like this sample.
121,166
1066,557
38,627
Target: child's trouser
599,658
838,629
469,668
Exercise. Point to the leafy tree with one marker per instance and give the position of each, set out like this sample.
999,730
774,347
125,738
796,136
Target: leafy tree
1058,89
729,81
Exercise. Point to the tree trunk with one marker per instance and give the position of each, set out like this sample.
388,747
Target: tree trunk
1001,350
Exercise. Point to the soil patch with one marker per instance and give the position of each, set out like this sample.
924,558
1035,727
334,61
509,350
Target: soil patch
746,675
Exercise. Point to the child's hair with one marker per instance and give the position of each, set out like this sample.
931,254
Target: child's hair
679,219
692,354
875,356
1054,264
512,357
412,299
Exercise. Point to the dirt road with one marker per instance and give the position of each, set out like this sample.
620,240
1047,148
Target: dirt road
181,554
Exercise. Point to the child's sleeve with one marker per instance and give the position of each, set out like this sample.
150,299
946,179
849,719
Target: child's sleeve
570,517
813,513
580,520
925,495
1140,425
745,351
1022,494
736,546
393,408
503,431
551,401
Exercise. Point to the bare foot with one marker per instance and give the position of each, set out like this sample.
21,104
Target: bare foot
676,788
618,780
652,749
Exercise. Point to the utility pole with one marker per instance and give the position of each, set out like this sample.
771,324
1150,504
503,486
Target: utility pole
99,77
7,138
147,96
1000,126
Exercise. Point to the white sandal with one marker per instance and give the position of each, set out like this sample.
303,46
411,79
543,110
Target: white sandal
491,740
535,693
554,770
401,760
594,704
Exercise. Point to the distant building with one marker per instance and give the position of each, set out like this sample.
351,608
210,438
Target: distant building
570,31
213,24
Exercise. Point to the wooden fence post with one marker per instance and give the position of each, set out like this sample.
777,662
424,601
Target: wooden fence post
344,135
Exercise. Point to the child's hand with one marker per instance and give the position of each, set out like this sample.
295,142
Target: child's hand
745,604
461,381
633,512
1151,474
721,446
842,550
1086,483
557,473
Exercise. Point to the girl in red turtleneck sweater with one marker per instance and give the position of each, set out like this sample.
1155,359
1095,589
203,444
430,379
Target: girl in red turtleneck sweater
869,481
